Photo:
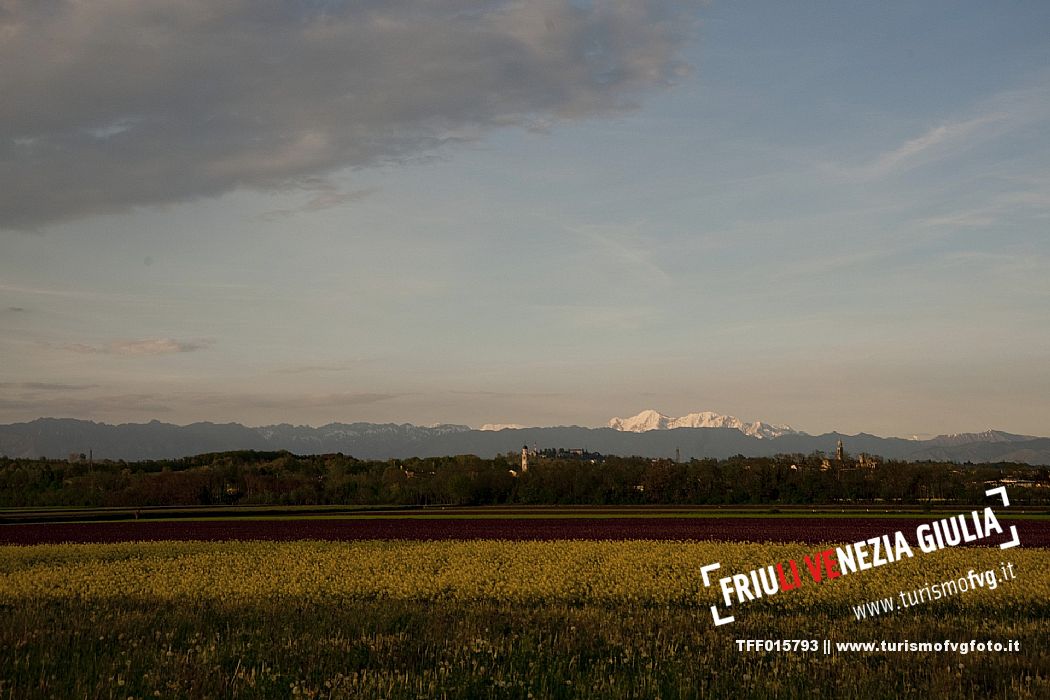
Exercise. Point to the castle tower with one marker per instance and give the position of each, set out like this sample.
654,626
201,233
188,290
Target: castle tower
839,452
524,458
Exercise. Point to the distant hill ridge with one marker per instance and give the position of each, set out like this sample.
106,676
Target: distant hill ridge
60,437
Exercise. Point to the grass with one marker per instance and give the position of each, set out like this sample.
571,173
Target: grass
416,649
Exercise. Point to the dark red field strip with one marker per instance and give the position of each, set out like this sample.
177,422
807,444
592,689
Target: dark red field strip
1033,533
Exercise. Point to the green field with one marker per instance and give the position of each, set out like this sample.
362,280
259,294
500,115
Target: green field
416,649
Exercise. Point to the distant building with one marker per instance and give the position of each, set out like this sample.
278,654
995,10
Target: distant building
1013,481
866,461
524,458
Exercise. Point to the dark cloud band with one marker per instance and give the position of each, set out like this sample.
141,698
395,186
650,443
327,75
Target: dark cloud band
108,106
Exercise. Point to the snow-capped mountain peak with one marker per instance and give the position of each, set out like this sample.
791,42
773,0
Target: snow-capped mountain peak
654,420
646,420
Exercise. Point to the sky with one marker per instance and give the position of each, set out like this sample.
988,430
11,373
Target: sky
831,215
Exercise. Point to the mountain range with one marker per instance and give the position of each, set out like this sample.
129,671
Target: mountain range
652,420
696,435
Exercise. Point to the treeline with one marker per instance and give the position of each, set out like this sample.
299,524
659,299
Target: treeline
281,478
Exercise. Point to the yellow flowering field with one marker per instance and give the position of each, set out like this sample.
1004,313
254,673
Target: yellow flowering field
632,572
476,618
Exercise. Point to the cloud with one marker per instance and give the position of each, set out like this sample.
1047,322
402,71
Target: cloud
305,401
143,347
624,246
82,348
133,405
46,386
508,394
936,143
79,294
15,309
113,105
1015,111
311,369
157,346
1030,198
329,197
939,136
85,407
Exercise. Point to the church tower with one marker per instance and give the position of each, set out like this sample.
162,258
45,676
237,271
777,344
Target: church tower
524,458
839,453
